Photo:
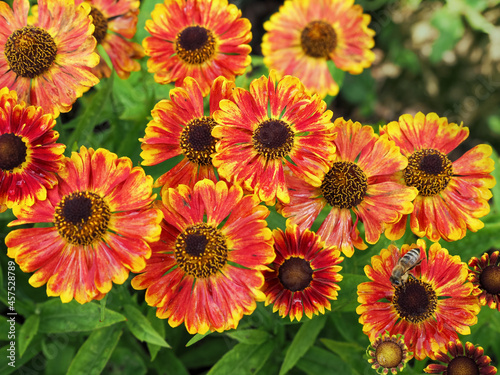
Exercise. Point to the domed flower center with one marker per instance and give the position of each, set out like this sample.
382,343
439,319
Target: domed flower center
345,184
30,51
429,171
273,139
318,39
490,279
201,250
12,151
462,366
389,354
195,45
197,142
295,274
415,301
82,218
101,25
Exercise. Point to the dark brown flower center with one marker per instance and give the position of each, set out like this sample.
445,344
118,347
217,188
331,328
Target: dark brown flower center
345,184
462,366
201,250
12,151
389,354
101,25
429,171
82,217
490,279
197,142
318,39
295,274
30,51
195,45
273,139
415,301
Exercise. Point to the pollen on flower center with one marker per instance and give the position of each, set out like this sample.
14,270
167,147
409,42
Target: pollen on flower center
273,139
462,365
295,274
196,140
82,217
201,250
345,185
415,301
12,151
389,354
30,51
318,39
429,171
195,45
101,25
490,279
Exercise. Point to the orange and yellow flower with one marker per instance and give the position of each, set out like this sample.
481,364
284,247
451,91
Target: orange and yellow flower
304,276
358,182
115,24
202,39
388,353
181,127
47,61
306,36
452,196
273,126
29,156
484,274
429,309
102,221
206,270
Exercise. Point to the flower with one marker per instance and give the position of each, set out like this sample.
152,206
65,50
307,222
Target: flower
429,309
272,126
388,353
304,275
102,222
459,360
358,182
29,156
206,269
47,62
484,274
180,127
203,39
451,195
115,23
305,36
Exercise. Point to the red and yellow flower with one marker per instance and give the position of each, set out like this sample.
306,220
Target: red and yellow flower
29,156
206,270
358,182
202,39
273,126
181,127
304,276
102,222
484,274
47,61
429,309
452,196
306,36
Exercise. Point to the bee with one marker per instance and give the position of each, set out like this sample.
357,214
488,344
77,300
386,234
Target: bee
406,263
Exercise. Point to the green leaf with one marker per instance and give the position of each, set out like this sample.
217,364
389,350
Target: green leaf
197,338
10,364
249,336
95,352
28,330
319,361
243,359
159,326
303,340
451,29
347,299
348,351
141,328
168,364
56,317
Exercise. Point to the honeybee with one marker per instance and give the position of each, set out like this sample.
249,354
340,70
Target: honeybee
405,264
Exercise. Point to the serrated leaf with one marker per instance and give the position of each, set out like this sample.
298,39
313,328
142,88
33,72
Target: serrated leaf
95,352
28,330
249,336
303,340
58,317
141,328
